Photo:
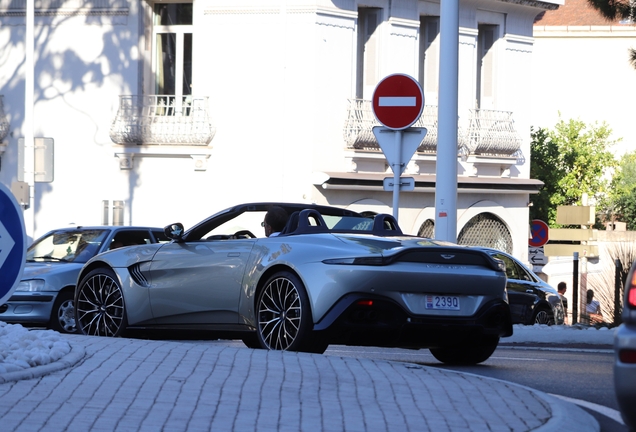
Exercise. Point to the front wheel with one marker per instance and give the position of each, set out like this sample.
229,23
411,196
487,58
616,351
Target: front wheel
283,315
100,310
63,313
470,354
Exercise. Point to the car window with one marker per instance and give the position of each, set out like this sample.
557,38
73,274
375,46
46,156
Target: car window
512,271
250,221
67,245
130,238
525,275
160,236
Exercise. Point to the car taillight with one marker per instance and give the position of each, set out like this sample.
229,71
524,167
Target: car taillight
365,303
627,356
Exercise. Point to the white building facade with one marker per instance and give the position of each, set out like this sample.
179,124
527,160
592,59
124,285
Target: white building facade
157,112
592,88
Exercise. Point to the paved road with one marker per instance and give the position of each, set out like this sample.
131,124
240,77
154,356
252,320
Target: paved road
144,385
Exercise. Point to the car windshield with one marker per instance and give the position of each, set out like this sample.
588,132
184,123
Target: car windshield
67,246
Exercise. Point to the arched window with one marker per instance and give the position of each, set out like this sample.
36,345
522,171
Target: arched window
427,229
487,230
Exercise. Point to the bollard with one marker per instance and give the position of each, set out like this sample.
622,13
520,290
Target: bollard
618,283
575,287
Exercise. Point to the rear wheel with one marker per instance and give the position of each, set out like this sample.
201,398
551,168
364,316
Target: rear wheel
283,315
100,310
467,354
63,313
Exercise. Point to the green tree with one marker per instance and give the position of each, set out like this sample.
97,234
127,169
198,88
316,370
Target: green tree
623,196
572,159
618,10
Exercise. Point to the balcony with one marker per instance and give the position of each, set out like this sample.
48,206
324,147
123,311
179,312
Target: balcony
490,133
162,120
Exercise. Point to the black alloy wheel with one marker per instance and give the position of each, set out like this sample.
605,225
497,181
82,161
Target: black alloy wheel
101,310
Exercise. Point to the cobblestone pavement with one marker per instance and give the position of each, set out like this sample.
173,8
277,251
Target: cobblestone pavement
120,384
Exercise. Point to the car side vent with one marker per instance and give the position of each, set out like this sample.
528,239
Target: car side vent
137,274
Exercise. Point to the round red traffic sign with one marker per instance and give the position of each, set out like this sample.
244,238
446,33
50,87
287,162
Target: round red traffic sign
539,231
398,101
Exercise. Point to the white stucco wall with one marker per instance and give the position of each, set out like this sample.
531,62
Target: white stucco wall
583,73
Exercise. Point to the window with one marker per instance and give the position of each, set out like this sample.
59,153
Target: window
486,38
172,55
429,58
367,59
486,229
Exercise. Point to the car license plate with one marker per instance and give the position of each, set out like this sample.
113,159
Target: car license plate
437,302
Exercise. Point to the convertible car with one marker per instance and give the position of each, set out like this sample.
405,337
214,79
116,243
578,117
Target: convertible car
332,276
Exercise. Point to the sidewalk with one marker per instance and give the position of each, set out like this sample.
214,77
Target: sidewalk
106,384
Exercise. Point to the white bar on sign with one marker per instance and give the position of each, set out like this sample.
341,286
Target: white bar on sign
397,101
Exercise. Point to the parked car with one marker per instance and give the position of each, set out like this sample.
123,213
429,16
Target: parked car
331,276
44,296
532,301
625,354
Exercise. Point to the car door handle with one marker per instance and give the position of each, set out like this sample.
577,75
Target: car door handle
529,291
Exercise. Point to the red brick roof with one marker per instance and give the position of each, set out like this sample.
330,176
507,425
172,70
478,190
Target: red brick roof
572,13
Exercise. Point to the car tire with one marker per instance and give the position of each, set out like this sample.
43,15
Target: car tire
542,316
63,313
100,307
252,341
467,354
283,316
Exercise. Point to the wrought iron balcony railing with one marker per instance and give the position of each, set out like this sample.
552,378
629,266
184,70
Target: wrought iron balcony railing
4,123
490,133
162,120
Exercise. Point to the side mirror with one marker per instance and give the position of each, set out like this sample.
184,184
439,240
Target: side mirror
174,231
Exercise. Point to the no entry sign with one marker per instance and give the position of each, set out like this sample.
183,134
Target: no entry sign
398,101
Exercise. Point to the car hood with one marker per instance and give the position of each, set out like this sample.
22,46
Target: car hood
56,275
49,269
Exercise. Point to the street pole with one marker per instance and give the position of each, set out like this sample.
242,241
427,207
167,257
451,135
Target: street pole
446,167
397,172
29,142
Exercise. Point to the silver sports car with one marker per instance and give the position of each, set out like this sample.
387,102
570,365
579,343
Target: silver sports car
332,276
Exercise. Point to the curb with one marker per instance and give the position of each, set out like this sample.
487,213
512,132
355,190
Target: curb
70,359
565,415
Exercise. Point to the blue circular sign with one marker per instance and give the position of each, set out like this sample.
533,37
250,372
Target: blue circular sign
539,231
13,243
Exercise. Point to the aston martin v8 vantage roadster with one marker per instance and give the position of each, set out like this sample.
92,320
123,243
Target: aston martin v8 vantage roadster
332,276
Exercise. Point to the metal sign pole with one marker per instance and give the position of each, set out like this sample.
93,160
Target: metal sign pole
397,171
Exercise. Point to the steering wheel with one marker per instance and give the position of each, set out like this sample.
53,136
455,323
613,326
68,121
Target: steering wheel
243,234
